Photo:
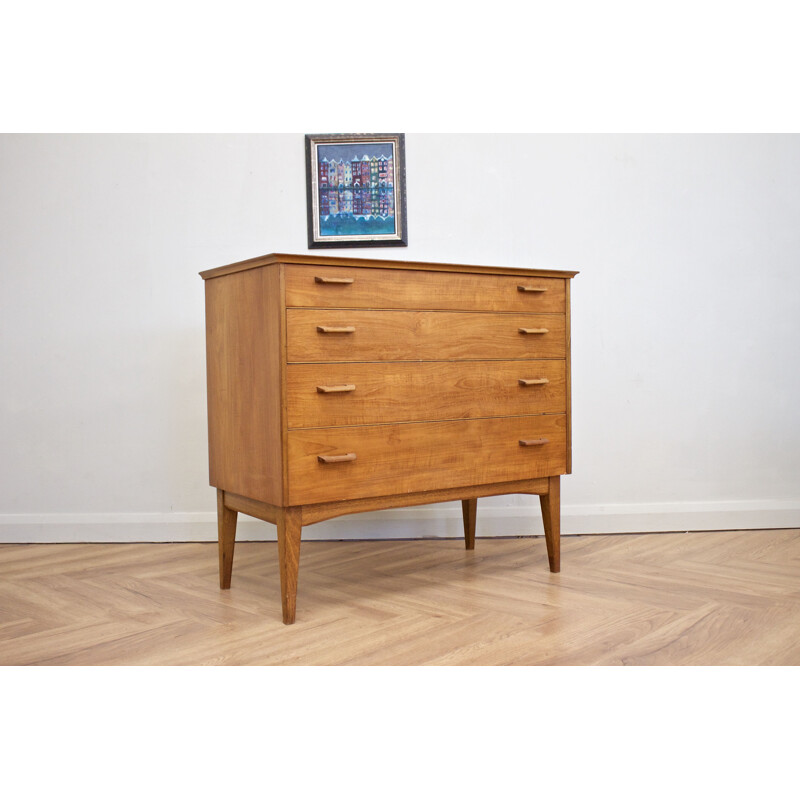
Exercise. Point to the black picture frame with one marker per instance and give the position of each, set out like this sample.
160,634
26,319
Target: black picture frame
356,190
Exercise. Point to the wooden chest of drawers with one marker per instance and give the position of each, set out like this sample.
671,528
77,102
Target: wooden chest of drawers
338,385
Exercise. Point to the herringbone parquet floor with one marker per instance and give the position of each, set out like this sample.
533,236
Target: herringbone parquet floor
666,599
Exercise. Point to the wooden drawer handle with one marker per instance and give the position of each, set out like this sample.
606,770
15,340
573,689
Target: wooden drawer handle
343,387
333,329
534,330
532,442
336,459
533,381
531,289
319,279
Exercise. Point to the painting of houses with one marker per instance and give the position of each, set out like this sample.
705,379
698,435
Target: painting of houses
356,190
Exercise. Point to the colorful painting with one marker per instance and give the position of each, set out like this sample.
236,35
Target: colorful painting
356,190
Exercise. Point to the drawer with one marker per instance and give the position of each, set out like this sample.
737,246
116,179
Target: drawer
359,287
366,335
381,460
323,395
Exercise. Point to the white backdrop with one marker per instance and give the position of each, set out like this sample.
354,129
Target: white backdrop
686,319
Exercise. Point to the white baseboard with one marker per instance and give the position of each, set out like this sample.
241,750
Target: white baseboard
442,521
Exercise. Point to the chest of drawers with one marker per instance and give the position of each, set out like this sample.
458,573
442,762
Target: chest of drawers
339,385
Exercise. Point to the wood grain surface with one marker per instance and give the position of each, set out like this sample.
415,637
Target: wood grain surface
243,366
722,598
273,260
420,335
380,288
436,390
415,457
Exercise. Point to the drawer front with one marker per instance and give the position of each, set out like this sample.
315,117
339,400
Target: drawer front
397,459
341,287
361,335
323,395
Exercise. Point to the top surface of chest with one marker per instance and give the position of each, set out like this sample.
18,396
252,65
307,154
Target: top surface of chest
375,263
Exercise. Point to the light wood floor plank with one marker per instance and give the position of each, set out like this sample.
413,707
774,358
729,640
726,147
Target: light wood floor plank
730,597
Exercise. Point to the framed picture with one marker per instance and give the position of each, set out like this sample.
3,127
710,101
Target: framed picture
356,186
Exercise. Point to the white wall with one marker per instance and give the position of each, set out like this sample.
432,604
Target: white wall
686,319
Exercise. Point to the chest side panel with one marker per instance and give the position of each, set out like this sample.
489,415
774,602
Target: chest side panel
244,364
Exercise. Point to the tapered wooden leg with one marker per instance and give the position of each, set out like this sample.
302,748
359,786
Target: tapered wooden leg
226,536
551,518
289,527
469,508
